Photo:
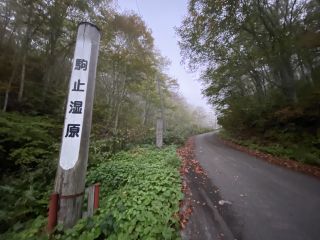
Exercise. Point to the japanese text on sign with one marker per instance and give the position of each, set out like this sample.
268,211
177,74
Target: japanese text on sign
75,106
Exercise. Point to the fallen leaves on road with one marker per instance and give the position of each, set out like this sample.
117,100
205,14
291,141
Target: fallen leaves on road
187,154
189,163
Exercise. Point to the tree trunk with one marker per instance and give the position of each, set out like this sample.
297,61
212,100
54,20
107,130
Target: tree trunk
4,24
116,119
258,84
305,75
47,78
145,113
287,81
12,77
22,80
24,52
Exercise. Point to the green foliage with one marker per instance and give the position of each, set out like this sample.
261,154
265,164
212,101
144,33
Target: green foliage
36,41
26,140
28,149
33,229
280,144
139,199
259,71
141,190
178,136
25,196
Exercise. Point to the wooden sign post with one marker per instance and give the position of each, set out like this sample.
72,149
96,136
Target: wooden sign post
70,178
159,133
160,118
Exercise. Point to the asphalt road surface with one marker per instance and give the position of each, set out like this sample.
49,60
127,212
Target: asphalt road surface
247,198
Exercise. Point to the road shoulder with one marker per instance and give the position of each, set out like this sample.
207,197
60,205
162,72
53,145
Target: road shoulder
203,211
283,162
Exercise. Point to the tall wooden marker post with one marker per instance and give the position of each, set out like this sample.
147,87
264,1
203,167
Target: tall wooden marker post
160,118
70,178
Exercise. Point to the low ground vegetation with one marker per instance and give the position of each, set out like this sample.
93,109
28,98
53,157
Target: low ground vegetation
304,149
140,194
140,185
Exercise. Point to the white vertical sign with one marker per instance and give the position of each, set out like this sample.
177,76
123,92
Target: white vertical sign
71,172
73,123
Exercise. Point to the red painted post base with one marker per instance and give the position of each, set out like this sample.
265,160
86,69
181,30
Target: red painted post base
96,196
53,212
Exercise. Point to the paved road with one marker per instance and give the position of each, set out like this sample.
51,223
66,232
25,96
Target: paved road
264,201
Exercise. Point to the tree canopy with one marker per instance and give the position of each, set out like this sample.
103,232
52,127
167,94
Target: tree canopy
260,63
37,42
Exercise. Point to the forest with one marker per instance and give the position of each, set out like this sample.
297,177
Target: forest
37,40
260,69
260,64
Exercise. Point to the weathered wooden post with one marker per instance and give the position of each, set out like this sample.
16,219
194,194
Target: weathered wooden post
93,199
70,178
159,133
160,118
